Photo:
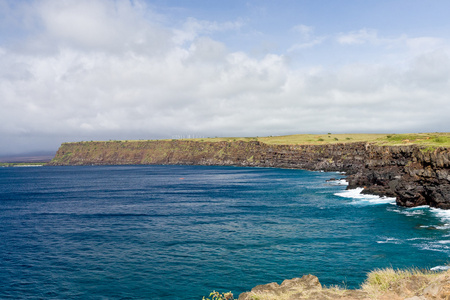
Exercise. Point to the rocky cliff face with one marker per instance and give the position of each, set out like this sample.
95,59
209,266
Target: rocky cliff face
413,175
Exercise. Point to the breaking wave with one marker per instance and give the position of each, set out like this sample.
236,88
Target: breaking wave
363,199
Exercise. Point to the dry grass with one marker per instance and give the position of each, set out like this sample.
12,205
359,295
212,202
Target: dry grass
430,140
425,139
380,281
380,284
272,296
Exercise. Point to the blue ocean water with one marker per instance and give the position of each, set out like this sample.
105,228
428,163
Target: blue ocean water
179,232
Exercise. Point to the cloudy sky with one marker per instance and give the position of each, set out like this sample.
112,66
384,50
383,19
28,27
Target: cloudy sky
73,70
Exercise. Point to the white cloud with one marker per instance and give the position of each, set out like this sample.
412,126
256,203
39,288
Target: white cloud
306,44
100,25
193,28
307,39
419,45
358,37
144,80
304,30
415,45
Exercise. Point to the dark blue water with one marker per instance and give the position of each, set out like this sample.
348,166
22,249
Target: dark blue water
179,232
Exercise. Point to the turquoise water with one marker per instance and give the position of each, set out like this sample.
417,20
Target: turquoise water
179,232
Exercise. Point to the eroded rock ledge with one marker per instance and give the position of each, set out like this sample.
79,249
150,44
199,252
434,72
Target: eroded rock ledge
413,287
415,176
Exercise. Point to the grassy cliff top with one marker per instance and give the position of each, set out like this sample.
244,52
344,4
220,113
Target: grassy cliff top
437,139
425,139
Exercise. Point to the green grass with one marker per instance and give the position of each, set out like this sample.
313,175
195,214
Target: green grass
429,140
425,139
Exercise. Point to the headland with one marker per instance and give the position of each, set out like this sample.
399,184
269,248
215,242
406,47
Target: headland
413,168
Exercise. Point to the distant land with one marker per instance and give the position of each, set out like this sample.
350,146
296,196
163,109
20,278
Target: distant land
33,157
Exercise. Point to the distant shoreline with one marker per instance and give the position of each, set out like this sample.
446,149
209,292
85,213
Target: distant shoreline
22,159
23,164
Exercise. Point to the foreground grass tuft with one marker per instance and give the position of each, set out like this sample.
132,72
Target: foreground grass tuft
382,279
412,281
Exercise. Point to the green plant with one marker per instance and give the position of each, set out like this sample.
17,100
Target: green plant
321,140
439,139
219,296
428,149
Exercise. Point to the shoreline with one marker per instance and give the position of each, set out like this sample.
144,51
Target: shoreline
414,175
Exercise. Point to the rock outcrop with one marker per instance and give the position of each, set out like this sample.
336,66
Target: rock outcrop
412,174
413,287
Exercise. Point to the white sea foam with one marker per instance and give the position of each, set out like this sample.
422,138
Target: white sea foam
363,199
440,268
417,239
338,182
443,214
435,246
390,241
341,173
411,213
421,207
443,226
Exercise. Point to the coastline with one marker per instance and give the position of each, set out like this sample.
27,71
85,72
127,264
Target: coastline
413,174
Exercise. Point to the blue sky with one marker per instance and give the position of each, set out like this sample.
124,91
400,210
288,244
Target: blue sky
118,69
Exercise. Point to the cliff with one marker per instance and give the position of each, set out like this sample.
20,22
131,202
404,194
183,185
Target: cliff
415,175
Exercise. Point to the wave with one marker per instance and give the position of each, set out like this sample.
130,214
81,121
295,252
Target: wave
389,241
337,182
363,199
413,211
426,211
435,246
440,268
443,214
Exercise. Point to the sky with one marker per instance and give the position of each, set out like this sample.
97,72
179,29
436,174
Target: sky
81,70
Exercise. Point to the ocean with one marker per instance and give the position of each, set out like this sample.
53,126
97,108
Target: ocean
180,232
